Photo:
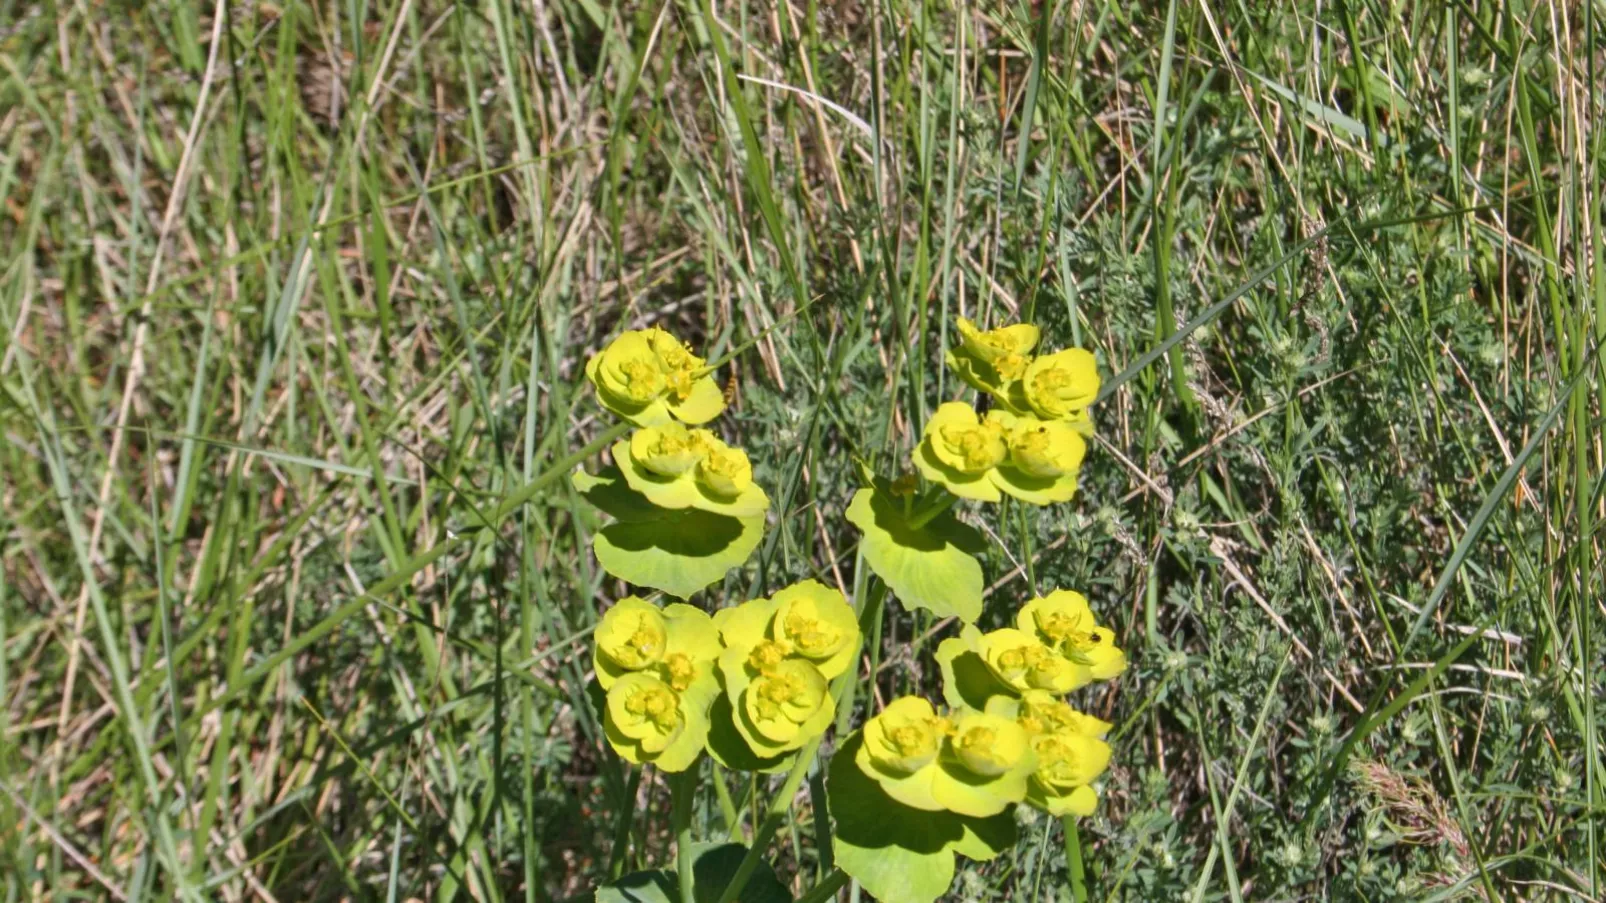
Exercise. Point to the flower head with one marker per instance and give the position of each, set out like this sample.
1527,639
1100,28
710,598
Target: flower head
906,736
677,644
675,467
779,655
817,624
649,378
1061,385
975,457
1067,763
633,635
1063,621
1023,663
969,762
782,701
993,360
960,449
647,719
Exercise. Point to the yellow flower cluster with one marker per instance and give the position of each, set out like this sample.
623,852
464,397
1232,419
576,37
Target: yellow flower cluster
1007,737
1056,386
1034,460
779,656
1055,645
657,667
1030,444
664,669
676,467
969,762
651,378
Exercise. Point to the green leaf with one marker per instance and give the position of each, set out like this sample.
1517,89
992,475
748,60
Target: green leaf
966,679
899,854
656,886
713,866
677,551
931,566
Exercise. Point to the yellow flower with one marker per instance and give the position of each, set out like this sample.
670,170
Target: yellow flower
678,644
1067,764
1063,621
993,360
1033,460
649,378
1061,385
674,467
1045,457
782,702
906,736
960,450
1024,663
669,450
725,471
1040,712
972,763
780,653
633,635
649,720
818,624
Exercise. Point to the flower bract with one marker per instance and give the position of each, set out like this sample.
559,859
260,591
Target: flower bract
993,360
658,669
1063,621
1061,386
1070,749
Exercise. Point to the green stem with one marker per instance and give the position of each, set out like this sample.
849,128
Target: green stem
929,513
683,789
827,888
1073,858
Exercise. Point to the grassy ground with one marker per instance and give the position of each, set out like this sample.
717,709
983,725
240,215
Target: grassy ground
295,296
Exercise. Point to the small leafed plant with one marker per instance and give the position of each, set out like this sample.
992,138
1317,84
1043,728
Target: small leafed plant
759,684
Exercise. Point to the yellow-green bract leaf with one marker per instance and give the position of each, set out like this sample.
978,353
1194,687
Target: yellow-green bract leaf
966,679
679,552
931,566
899,854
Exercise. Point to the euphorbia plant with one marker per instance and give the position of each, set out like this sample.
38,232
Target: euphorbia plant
758,684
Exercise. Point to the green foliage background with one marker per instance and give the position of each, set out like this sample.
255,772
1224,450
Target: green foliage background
295,299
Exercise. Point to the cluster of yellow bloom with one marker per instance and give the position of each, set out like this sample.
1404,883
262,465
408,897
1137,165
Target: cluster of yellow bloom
773,658
1007,737
658,669
780,655
1030,445
679,468
650,378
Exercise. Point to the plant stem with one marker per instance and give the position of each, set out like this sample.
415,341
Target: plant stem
927,514
683,790
827,888
1073,858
